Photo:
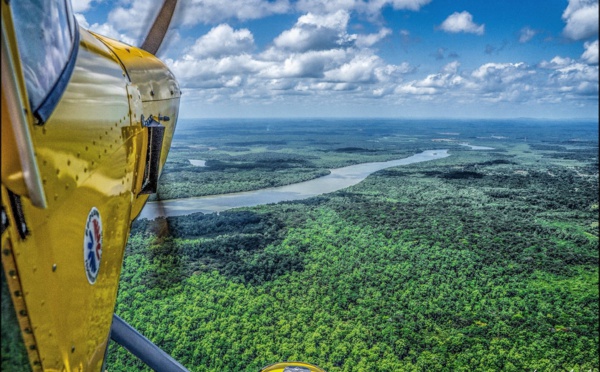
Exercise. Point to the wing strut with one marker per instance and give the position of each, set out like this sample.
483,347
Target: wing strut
138,345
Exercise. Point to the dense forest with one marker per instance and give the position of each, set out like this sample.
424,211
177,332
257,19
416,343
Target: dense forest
485,260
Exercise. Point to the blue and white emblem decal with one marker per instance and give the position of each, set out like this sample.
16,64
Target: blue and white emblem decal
92,245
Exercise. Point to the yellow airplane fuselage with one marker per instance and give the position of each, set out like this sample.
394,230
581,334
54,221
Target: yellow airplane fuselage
91,156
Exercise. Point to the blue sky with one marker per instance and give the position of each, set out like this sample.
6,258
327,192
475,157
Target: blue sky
382,58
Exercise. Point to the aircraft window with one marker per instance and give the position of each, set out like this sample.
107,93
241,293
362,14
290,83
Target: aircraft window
46,34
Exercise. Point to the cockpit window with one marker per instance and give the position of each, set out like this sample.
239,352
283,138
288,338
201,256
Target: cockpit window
46,36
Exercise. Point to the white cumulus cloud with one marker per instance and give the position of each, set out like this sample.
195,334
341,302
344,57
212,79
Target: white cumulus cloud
192,12
221,41
496,78
581,17
315,32
526,34
567,79
82,21
311,64
361,69
369,8
80,5
462,22
591,53
131,19
371,39
128,22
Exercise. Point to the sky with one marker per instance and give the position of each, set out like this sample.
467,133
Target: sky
381,58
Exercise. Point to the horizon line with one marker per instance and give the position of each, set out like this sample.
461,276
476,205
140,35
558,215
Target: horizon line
382,118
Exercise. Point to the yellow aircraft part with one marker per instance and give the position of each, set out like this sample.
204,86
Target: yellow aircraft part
91,154
292,367
158,92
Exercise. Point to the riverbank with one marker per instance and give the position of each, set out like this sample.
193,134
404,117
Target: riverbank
338,179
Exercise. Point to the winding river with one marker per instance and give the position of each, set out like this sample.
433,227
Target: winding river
338,179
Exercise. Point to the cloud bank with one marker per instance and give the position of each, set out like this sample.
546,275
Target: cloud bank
321,59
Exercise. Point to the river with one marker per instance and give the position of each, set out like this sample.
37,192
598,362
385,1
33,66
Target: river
476,147
339,178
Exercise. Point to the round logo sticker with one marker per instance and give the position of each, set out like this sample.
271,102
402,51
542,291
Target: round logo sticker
92,245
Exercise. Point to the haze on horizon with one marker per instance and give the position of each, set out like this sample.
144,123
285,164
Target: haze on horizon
357,58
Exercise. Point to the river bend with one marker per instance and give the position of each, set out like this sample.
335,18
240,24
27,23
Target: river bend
338,179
